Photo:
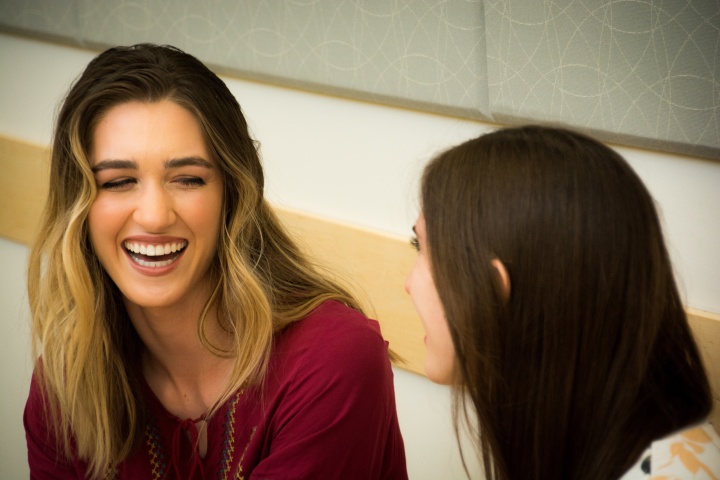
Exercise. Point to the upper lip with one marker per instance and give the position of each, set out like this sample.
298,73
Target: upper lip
154,246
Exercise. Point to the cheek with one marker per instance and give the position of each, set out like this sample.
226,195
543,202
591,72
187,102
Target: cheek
444,339
105,222
205,224
203,211
100,217
417,287
437,327
409,279
441,353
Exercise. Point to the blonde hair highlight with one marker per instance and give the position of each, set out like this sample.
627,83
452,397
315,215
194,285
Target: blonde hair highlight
84,341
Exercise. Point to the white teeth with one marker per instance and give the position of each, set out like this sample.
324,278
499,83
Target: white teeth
163,263
154,250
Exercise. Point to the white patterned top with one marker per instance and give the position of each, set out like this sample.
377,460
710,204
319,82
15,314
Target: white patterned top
693,453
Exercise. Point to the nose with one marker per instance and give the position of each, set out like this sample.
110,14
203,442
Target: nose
154,210
407,282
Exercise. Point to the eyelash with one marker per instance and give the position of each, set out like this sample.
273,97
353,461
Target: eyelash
415,244
184,181
117,184
191,181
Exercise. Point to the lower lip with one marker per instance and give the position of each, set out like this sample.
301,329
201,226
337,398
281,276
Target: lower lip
155,271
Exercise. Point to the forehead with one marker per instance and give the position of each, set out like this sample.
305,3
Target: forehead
136,129
128,114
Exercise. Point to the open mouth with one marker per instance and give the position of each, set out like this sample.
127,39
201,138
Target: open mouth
154,256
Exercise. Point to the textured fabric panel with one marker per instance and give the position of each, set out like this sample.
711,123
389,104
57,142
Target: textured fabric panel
639,72
43,17
416,52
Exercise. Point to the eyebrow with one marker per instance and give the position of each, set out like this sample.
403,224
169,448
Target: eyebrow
188,162
114,164
414,231
132,165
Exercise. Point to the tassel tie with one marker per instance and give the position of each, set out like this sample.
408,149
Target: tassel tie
181,455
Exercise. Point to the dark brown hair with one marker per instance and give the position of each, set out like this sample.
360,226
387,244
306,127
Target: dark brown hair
591,358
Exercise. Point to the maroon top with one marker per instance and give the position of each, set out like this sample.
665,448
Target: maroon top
326,410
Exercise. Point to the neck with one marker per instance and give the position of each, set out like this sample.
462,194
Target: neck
185,376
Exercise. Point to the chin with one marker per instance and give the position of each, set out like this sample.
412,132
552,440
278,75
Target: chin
148,301
436,376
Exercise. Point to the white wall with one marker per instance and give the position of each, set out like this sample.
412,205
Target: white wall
15,364
346,160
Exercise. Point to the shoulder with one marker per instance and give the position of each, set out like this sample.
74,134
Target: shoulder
333,328
335,339
687,454
44,447
690,453
328,393
35,398
37,409
336,319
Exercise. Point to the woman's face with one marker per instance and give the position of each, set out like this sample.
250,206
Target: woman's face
155,222
421,287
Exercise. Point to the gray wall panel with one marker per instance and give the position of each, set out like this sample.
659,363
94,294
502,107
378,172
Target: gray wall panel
641,72
419,52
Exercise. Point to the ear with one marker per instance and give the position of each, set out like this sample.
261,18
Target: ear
503,279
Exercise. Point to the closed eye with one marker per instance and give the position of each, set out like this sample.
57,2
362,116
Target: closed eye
191,181
118,184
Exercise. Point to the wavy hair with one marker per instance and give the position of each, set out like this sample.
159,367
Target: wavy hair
86,346
591,357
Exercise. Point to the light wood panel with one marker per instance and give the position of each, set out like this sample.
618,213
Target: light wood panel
706,327
23,188
375,265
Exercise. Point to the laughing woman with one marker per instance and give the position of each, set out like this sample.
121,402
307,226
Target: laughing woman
179,331
549,303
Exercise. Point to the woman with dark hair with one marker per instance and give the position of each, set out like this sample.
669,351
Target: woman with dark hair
549,304
180,332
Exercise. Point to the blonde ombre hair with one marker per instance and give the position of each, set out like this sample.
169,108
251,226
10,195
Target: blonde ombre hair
88,352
